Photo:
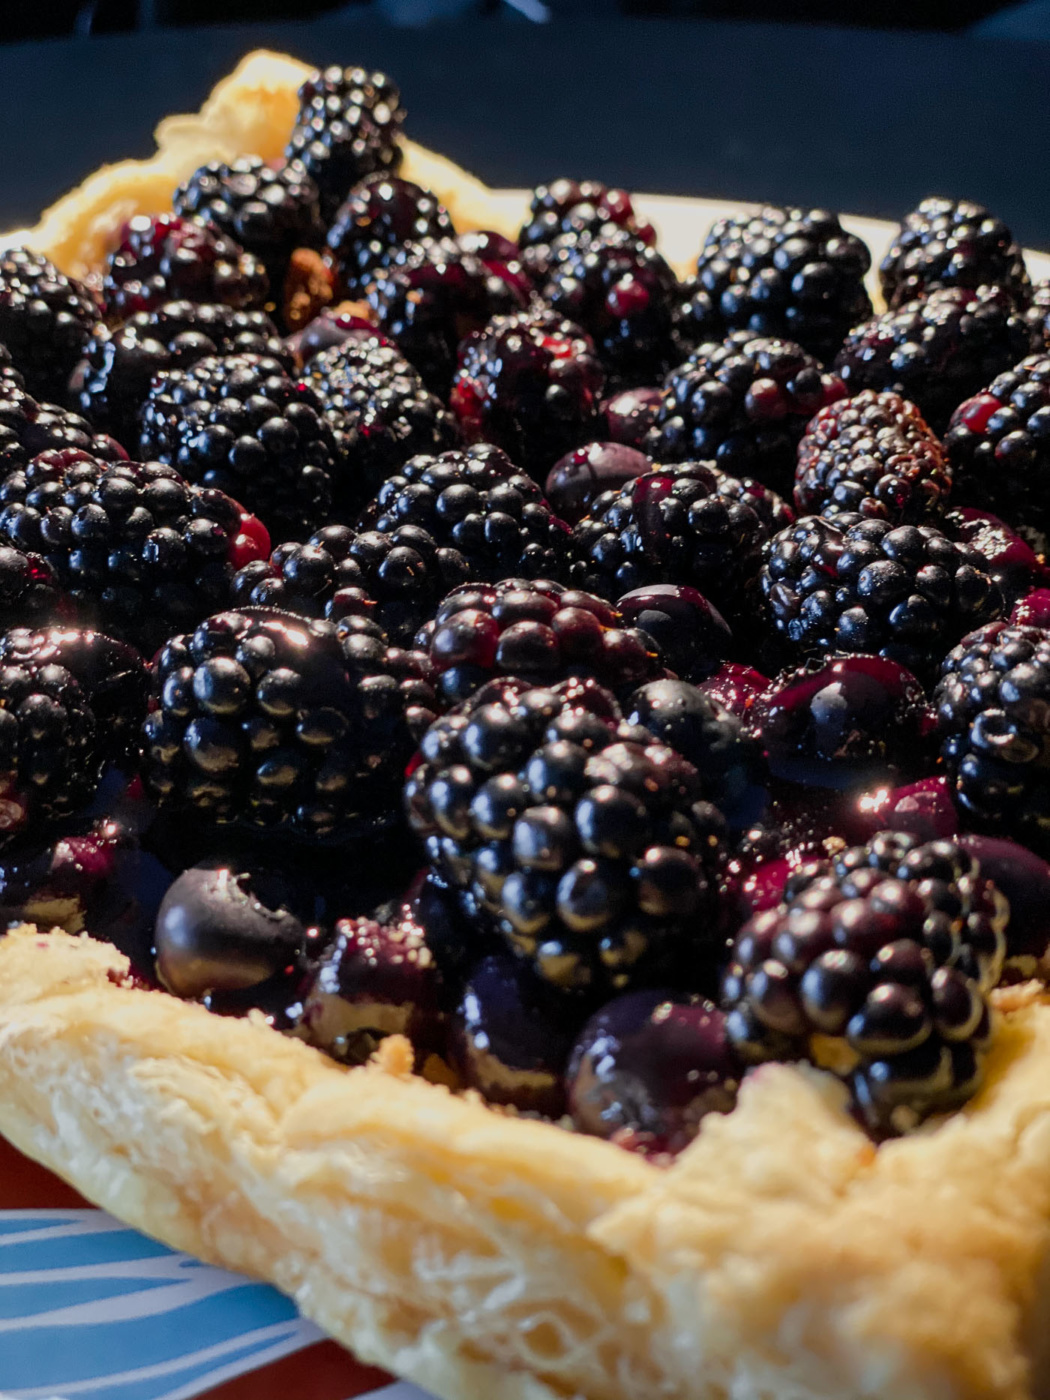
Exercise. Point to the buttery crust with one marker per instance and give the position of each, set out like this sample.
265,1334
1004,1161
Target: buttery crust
489,1257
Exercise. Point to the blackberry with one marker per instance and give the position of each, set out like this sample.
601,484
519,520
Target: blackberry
876,964
397,578
576,480
951,243
873,454
29,592
1038,315
938,351
429,297
585,844
744,403
268,212
1010,560
348,126
790,272
163,257
240,424
379,217
686,524
121,363
141,552
380,412
570,209
509,283
625,296
531,383
906,592
994,719
50,759
280,724
998,444
28,428
45,320
476,502
535,630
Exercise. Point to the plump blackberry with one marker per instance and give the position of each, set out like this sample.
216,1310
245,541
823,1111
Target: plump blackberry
427,299
121,363
140,551
163,257
28,428
994,720
790,272
379,216
625,296
280,724
937,351
571,209
510,284
586,844
268,212
686,524
1010,560
744,403
29,592
241,424
45,320
380,412
397,578
349,125
50,756
1037,316
532,384
873,454
475,501
952,243
535,630
998,444
877,965
854,585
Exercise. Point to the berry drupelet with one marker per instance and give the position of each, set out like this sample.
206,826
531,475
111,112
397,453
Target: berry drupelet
906,592
531,383
28,428
938,351
536,631
398,579
348,126
476,502
951,243
240,424
877,965
625,296
379,217
584,842
873,454
687,524
45,320
140,551
998,445
268,212
283,725
743,403
164,257
570,210
427,299
794,273
121,363
994,721
380,412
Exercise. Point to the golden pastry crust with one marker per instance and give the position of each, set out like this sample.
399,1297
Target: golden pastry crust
489,1257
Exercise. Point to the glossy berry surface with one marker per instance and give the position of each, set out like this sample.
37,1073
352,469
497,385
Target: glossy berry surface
531,383
139,550
923,808
691,633
28,428
786,272
565,211
537,631
277,723
951,243
630,414
744,403
873,454
29,591
1009,558
576,480
647,1069
379,216
45,320
877,964
1024,878
584,843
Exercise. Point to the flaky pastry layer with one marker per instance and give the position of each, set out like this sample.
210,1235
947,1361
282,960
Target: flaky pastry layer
488,1257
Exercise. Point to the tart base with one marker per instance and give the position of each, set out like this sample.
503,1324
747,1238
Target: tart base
488,1257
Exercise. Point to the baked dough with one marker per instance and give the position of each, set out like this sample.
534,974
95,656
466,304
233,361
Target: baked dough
489,1257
